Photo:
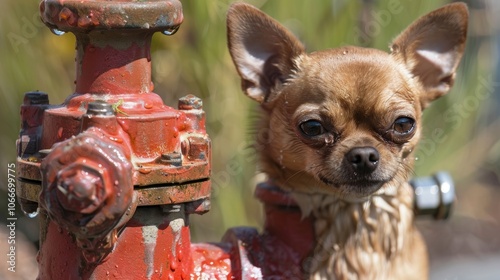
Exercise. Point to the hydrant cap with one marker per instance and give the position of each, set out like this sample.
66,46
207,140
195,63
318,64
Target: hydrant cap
85,15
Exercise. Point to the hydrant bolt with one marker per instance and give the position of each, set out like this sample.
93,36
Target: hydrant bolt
32,111
190,102
100,108
36,98
195,148
174,159
80,191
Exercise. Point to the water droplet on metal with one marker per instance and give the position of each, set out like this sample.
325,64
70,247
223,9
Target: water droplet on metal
32,215
171,31
57,31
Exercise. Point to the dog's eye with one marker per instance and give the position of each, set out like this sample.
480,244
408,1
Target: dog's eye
403,125
312,128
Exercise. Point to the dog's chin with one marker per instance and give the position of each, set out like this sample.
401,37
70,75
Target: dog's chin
355,190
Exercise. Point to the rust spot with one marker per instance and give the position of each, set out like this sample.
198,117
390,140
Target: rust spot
68,16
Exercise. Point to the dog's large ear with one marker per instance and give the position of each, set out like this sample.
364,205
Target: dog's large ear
262,50
431,48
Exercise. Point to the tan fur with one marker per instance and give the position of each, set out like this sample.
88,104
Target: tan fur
363,215
375,239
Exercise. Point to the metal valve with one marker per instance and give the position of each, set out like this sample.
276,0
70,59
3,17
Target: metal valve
434,195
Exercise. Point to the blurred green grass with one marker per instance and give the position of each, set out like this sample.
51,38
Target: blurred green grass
195,60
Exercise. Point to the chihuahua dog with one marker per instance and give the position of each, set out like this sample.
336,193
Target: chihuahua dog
343,125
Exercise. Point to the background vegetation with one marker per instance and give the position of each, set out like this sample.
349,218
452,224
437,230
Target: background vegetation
195,60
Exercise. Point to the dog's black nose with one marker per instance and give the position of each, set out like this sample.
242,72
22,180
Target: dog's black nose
363,159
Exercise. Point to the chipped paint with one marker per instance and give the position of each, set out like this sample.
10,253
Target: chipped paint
149,236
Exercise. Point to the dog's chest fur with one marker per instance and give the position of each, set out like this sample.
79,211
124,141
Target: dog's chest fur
365,240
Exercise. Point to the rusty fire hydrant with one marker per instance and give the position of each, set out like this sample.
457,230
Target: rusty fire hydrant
114,173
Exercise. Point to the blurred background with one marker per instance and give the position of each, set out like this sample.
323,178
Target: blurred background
196,60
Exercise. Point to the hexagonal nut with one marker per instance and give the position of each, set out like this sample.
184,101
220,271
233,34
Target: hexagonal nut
190,102
87,185
195,147
81,188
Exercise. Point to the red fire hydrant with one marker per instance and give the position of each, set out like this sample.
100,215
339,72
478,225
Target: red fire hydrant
114,173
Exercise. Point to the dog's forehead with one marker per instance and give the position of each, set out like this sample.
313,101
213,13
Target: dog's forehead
350,54
356,75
